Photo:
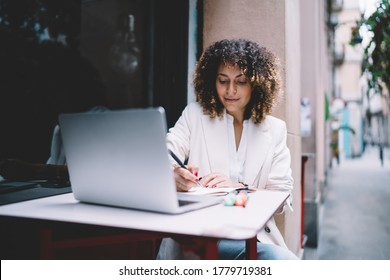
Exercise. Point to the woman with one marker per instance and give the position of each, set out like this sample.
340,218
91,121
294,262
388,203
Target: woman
228,138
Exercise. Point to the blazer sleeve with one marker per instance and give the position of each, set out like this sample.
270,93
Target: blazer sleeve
280,175
178,136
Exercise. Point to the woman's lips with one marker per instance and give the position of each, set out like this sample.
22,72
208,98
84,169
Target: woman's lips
231,100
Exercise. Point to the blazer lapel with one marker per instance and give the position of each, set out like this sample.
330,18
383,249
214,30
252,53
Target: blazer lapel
258,144
216,139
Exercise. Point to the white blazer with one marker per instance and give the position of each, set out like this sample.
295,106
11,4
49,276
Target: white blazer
203,142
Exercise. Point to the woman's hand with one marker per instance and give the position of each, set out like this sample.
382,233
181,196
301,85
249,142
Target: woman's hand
185,178
218,180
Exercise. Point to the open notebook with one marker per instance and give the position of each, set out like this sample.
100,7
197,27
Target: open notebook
120,158
221,191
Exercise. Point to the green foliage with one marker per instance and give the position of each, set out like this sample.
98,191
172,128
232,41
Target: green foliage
376,59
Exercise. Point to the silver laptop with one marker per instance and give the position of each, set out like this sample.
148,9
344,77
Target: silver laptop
120,158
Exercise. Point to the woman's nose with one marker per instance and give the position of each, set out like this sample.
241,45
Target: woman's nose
232,88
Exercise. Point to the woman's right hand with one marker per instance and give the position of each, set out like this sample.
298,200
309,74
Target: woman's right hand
185,178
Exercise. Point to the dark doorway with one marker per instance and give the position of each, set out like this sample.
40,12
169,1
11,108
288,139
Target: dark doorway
62,56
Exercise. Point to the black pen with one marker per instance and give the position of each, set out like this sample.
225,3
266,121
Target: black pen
181,164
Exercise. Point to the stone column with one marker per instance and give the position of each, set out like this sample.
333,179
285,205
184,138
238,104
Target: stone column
275,25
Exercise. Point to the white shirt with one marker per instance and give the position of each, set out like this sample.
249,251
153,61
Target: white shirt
236,156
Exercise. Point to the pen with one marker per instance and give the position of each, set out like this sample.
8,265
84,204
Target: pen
180,163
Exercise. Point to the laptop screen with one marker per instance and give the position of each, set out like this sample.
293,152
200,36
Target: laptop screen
119,157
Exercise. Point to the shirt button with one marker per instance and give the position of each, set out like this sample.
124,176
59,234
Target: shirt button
267,229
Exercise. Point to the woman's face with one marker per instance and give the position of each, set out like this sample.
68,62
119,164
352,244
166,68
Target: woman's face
234,89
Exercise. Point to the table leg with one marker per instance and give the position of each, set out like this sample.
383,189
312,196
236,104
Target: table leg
211,252
46,245
251,248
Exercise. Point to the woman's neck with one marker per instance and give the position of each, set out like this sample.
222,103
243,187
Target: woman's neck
238,118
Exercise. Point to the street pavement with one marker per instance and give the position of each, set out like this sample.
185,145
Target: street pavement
354,216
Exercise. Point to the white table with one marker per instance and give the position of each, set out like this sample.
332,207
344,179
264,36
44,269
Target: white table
211,223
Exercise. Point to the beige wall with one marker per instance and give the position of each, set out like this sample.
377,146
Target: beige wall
308,89
350,87
292,116
315,70
275,25
315,84
348,74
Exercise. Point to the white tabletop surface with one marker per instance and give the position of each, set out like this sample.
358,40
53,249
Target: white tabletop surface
219,221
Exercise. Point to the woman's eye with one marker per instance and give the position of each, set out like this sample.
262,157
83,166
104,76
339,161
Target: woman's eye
242,82
223,82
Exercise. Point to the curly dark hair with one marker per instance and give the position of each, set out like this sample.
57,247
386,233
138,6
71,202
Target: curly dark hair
256,62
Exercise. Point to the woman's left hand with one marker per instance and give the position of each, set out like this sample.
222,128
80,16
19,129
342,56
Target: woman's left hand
218,180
